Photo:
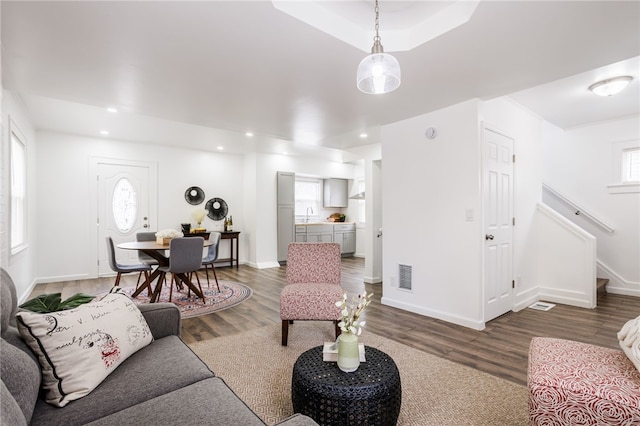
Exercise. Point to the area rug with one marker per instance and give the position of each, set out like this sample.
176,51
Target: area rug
231,294
435,391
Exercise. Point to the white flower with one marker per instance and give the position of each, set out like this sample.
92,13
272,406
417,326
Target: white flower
351,312
169,233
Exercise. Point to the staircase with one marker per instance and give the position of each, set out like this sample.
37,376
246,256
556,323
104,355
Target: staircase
601,284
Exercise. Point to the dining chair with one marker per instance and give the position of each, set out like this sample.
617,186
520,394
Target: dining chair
141,268
211,257
185,257
142,256
313,285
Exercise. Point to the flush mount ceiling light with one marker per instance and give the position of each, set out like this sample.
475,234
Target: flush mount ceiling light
610,86
378,72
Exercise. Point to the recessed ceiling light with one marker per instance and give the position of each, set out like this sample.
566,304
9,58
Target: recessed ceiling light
610,86
220,148
111,109
363,135
249,134
104,132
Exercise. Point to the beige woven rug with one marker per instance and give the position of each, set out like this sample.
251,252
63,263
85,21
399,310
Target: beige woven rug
435,391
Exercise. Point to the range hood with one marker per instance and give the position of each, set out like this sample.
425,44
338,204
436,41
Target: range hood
358,196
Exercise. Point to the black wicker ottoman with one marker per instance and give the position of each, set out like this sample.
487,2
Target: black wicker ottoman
369,396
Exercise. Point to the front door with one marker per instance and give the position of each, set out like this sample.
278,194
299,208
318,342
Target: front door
126,206
498,223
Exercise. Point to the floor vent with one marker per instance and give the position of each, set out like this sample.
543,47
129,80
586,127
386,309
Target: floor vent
405,277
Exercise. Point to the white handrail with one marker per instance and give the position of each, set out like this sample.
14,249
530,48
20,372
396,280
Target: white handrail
578,210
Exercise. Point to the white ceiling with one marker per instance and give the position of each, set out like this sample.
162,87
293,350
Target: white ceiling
202,73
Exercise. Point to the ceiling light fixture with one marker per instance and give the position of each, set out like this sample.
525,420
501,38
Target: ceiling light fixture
378,72
610,86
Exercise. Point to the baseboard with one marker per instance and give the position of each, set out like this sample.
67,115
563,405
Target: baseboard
465,322
525,299
617,284
564,297
263,265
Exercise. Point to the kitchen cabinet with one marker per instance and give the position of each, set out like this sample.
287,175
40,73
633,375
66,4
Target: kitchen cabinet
320,233
286,198
345,235
335,193
301,234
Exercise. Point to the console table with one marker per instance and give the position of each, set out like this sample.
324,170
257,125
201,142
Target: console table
370,395
231,236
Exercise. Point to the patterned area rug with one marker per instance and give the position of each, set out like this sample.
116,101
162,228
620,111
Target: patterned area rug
435,391
231,294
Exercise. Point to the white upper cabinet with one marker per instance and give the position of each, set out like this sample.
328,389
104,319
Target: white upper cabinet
335,193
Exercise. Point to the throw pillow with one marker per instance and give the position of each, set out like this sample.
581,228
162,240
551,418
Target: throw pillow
78,348
629,338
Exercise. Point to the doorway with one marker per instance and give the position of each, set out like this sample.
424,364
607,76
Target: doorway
498,169
125,205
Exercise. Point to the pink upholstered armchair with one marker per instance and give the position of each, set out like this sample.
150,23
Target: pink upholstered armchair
313,285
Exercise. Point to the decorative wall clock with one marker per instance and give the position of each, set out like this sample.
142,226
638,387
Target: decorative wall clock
217,208
194,195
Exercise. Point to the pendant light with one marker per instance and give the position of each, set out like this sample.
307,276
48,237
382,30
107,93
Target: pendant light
378,72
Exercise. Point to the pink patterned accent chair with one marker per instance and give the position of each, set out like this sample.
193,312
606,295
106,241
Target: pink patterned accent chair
573,383
312,287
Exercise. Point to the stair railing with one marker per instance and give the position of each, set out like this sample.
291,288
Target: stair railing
579,211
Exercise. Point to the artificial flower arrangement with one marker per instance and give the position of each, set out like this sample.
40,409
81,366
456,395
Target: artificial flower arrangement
164,236
169,233
351,311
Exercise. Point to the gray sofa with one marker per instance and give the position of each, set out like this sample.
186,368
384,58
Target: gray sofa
164,383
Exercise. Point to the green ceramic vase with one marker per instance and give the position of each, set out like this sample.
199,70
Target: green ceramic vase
348,354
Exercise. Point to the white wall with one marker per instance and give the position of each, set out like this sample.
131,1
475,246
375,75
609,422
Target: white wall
578,163
428,185
21,266
63,193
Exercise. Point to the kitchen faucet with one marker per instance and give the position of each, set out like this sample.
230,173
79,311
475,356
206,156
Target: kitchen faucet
307,218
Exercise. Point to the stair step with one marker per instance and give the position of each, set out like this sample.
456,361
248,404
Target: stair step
601,282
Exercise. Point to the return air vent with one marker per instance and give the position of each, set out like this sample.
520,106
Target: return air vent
404,272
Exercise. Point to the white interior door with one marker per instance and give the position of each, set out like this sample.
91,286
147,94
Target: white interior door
498,223
125,207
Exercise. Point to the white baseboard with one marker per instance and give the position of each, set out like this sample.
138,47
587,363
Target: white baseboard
617,284
465,322
565,297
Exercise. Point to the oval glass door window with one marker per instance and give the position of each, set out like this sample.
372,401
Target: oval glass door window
125,205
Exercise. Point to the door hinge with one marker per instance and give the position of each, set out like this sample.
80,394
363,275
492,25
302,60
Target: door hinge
513,221
513,283
514,158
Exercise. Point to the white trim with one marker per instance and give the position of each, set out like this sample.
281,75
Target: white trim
617,284
465,322
579,210
623,188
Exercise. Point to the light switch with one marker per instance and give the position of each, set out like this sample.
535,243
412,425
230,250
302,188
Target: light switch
468,214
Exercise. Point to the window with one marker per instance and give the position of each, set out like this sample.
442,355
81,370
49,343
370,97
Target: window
308,197
625,167
124,205
631,165
18,192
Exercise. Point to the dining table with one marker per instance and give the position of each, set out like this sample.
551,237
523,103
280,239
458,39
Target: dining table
157,251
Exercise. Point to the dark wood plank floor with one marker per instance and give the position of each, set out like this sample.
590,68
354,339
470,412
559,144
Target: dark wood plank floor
500,349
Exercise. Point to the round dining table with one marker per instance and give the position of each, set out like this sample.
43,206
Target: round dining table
157,251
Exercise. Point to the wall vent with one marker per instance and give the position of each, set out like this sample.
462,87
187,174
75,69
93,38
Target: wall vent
404,272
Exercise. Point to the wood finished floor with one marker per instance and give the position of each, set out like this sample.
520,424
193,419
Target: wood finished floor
500,349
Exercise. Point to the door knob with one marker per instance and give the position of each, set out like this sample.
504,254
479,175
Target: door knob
145,226
488,237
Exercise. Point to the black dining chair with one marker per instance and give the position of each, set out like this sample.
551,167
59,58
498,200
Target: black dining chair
211,257
141,268
185,257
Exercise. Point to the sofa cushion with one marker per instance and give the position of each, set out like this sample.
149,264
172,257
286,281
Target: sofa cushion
10,412
21,377
206,402
165,365
78,348
629,338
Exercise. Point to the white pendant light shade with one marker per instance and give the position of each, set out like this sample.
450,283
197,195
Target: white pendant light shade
378,73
